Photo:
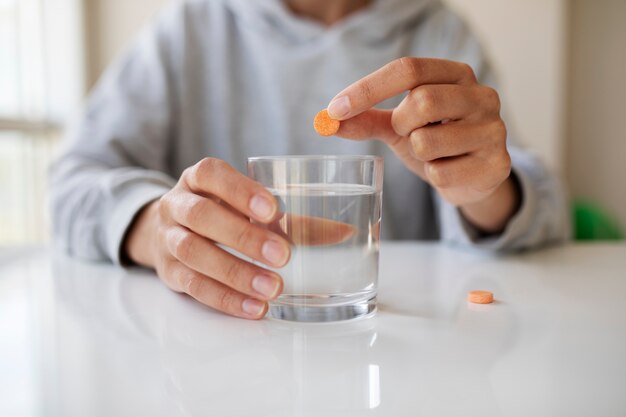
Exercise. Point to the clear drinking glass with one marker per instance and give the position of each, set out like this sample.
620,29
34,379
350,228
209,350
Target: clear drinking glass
331,212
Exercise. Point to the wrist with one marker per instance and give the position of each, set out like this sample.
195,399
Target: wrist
138,246
491,215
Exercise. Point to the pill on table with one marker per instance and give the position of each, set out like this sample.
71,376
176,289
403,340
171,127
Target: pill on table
480,297
324,125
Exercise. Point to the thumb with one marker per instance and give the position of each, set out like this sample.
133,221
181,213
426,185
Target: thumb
371,124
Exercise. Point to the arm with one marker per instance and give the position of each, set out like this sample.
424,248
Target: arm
115,162
111,199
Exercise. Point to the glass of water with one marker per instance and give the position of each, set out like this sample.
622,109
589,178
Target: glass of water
331,209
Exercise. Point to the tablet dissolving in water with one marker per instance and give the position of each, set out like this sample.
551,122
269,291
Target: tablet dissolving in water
334,230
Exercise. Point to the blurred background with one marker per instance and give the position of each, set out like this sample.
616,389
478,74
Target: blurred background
561,65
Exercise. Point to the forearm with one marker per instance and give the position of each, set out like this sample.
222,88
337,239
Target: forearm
77,209
93,206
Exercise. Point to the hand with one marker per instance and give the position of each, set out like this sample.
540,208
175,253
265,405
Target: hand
447,130
178,235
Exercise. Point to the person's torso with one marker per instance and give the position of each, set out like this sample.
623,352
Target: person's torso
245,89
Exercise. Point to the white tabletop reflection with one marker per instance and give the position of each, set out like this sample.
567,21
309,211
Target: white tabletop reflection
81,339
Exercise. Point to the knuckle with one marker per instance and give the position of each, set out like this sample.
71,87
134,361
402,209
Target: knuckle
188,176
245,235
468,71
165,203
184,281
161,235
167,269
187,172
500,165
497,135
169,275
192,212
421,144
208,164
226,300
183,245
398,123
439,176
505,163
233,272
425,100
492,99
241,189
207,167
501,132
192,284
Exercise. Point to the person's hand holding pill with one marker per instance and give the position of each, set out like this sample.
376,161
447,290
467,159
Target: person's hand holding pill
447,130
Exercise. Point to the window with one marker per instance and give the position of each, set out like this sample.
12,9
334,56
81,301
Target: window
41,85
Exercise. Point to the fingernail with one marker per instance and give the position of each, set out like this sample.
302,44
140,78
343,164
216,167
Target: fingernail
274,252
339,107
261,207
266,286
252,307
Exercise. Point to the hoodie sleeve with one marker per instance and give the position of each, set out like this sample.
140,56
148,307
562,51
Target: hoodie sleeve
116,158
543,216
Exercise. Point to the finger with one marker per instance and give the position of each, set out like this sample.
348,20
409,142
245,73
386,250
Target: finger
394,78
371,124
472,171
376,124
235,211
455,138
216,222
215,177
206,258
313,231
429,104
215,294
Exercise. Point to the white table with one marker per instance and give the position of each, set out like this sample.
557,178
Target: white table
81,339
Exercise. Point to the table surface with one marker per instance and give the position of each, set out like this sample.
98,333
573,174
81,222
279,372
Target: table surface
81,339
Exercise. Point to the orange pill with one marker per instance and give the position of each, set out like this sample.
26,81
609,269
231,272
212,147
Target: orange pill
480,297
324,125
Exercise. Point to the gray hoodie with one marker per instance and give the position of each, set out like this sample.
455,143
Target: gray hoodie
238,78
